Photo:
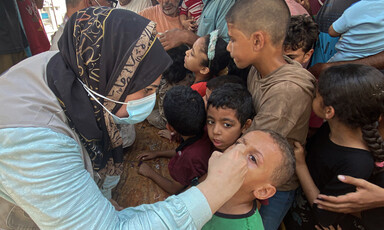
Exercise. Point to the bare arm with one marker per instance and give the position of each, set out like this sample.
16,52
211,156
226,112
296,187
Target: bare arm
310,189
367,196
376,61
332,32
176,37
170,186
151,155
166,153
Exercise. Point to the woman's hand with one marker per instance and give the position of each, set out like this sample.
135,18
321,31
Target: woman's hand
367,196
226,172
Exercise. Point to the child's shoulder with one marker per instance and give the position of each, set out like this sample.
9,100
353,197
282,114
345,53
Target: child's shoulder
200,144
251,220
285,76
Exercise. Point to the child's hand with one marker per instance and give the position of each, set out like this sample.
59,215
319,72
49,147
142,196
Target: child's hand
146,156
145,169
166,134
299,154
189,24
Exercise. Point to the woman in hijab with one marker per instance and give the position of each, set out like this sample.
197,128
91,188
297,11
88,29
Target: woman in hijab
58,130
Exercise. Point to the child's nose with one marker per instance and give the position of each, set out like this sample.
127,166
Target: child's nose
228,47
216,130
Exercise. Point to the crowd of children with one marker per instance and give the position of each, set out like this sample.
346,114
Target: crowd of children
300,132
270,113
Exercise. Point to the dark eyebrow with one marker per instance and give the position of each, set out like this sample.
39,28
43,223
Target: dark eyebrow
227,119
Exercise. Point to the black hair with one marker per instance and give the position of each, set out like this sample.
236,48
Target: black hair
233,96
216,82
221,58
184,110
272,16
285,171
234,70
176,72
356,92
302,33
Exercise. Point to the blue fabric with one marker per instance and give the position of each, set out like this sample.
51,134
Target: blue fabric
324,48
273,213
362,29
27,49
213,18
42,171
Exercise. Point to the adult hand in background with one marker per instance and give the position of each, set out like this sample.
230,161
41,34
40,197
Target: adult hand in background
176,37
367,196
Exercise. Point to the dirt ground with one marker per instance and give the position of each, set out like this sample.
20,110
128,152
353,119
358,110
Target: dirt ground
134,189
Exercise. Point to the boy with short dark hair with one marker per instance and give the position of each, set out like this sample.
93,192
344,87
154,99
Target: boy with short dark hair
216,82
282,91
185,113
298,45
301,38
229,114
270,164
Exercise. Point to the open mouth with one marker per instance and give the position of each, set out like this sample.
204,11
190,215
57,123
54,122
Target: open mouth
216,142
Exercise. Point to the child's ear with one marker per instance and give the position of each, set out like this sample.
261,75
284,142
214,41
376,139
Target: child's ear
204,70
264,192
246,125
329,112
170,128
308,56
257,39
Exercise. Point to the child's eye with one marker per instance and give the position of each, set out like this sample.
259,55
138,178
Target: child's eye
210,122
226,125
252,158
147,90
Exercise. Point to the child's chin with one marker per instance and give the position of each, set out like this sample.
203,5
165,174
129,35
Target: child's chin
220,148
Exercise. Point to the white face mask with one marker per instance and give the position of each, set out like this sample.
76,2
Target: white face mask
137,110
